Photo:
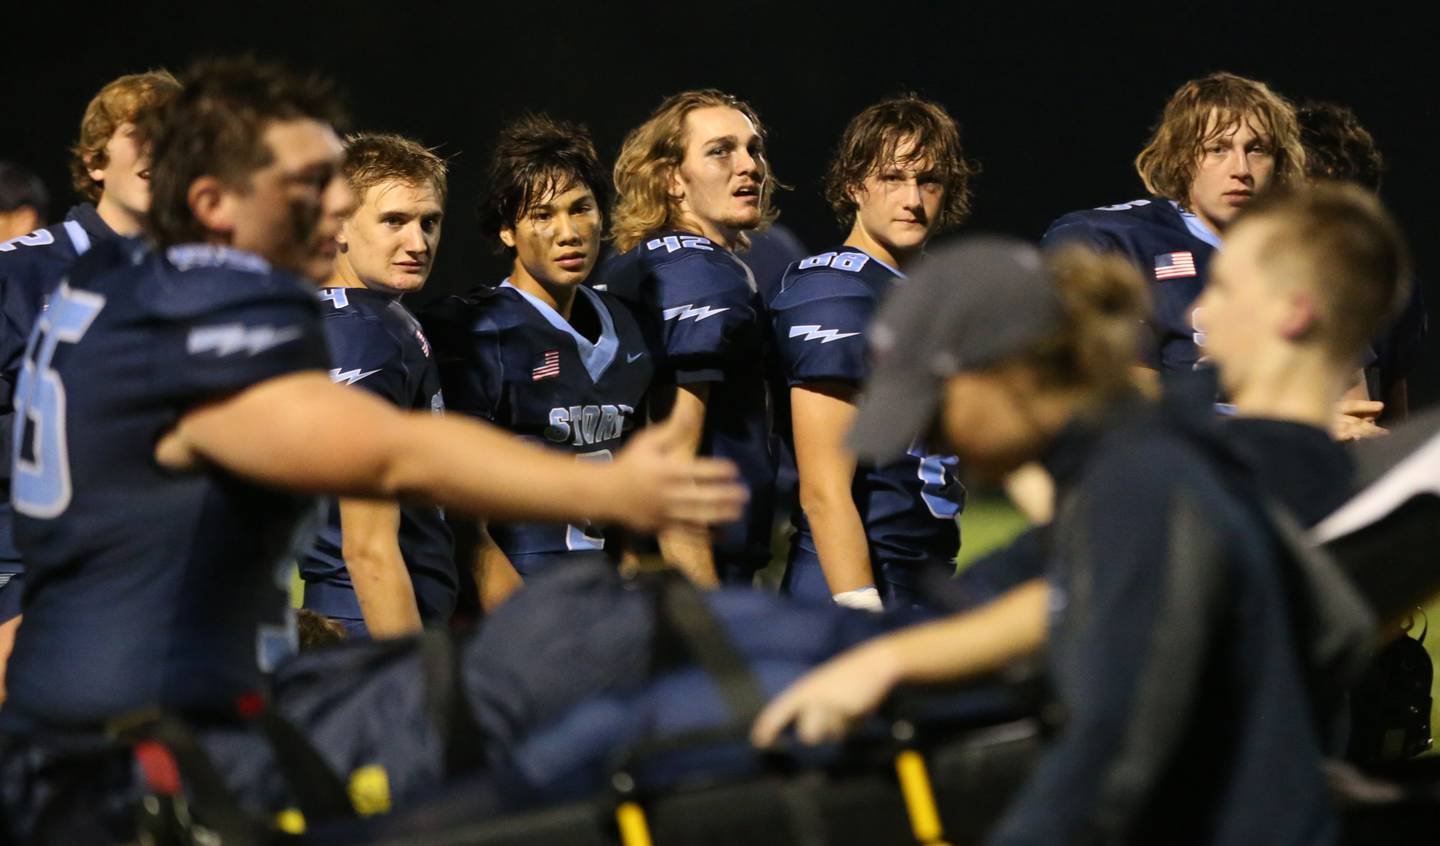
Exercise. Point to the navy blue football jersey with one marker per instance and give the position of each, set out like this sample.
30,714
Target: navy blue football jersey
509,358
1172,249
819,316
30,268
377,345
147,586
706,317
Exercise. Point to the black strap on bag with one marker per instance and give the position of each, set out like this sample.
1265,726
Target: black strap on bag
688,632
684,616
319,793
447,707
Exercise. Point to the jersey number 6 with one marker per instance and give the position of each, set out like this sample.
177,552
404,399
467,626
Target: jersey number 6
41,486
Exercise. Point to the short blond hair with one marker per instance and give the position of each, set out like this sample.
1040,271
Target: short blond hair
123,100
648,158
1167,164
375,157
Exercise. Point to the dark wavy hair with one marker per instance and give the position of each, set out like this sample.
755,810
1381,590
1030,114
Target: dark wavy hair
870,143
1338,147
536,158
216,126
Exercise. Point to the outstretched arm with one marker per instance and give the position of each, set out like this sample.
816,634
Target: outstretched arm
281,432
828,701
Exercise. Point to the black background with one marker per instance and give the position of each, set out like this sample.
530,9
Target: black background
1054,100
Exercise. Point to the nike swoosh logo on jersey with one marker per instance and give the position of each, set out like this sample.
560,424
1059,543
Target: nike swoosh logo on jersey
237,337
631,359
350,377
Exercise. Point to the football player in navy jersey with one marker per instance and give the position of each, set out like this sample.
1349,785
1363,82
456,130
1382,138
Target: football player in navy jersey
866,532
1338,147
109,169
24,202
690,182
378,567
541,354
169,398
1221,141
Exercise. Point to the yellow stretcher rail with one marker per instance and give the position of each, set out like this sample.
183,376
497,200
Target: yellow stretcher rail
919,799
634,830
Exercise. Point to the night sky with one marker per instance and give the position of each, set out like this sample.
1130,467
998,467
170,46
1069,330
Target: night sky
1053,102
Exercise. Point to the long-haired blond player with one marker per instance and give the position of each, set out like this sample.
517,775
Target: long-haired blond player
690,182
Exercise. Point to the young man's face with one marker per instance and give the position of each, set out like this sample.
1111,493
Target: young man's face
125,178
557,241
720,178
1233,166
1242,314
294,205
391,239
897,206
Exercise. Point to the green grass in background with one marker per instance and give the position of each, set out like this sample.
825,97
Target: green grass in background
989,522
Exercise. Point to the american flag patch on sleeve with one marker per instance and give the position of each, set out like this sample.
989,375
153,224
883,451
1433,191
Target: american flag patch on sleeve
548,368
1174,265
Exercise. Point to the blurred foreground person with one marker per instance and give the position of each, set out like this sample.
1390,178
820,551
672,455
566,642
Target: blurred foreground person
1307,278
1166,614
177,421
111,171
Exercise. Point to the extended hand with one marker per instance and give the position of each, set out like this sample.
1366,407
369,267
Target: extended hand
827,702
659,486
1355,419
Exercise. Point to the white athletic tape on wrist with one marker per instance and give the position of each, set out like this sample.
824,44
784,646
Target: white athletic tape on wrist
863,599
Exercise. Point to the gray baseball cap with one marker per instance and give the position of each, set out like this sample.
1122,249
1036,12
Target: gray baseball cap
972,303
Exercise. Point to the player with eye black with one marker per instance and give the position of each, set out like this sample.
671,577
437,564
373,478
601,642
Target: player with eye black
691,181
178,421
541,354
376,566
1221,141
110,170
866,532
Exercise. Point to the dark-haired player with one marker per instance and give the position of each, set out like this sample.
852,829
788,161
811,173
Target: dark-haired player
866,532
169,399
1222,139
541,354
377,566
24,202
109,171
1338,147
691,181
